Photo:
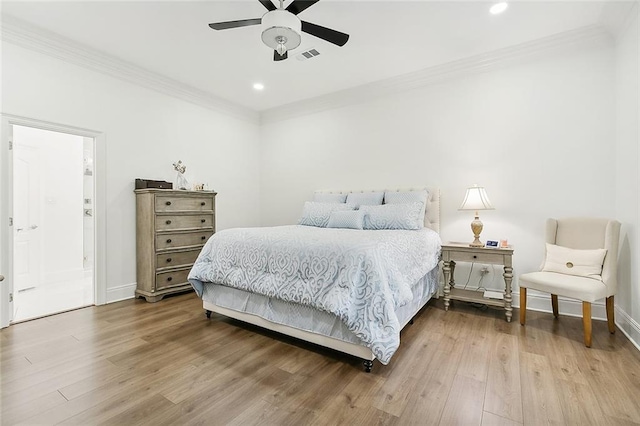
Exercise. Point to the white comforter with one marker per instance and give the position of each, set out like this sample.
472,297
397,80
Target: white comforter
359,276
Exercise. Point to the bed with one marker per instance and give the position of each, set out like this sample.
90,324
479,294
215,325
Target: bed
349,290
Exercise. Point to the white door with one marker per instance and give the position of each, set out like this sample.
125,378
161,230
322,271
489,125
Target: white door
27,237
37,248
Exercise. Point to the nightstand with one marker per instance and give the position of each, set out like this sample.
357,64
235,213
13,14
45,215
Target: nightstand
458,252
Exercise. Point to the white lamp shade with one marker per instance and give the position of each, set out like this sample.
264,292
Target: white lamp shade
476,199
280,23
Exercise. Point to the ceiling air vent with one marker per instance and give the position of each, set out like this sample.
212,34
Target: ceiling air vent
307,55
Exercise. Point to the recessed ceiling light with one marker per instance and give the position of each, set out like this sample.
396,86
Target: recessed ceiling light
498,8
258,86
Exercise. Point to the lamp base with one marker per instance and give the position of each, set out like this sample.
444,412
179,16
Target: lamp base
476,227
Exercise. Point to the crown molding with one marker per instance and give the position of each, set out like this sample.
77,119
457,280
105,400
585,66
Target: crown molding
31,37
496,59
618,16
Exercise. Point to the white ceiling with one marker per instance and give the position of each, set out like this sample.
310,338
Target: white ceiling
387,39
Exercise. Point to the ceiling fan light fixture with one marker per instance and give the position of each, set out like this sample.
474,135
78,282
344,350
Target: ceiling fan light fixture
282,46
281,30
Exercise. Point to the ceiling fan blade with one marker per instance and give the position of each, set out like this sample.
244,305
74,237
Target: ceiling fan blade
268,4
332,36
298,6
279,57
235,24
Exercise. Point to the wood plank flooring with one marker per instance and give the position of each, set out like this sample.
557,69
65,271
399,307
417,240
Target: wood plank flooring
136,363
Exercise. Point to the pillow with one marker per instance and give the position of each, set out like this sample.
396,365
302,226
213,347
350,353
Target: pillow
317,214
325,197
582,263
403,197
393,216
358,199
350,219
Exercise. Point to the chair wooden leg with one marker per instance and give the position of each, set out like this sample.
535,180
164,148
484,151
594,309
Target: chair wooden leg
523,305
554,304
586,322
610,315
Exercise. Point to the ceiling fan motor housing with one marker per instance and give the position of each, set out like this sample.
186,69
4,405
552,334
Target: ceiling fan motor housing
280,23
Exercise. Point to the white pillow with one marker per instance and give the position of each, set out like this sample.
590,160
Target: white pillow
327,197
582,263
365,198
393,216
403,197
317,214
350,219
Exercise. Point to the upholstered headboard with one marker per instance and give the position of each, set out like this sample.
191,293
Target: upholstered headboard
432,216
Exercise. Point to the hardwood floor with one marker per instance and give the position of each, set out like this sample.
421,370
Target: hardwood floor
136,363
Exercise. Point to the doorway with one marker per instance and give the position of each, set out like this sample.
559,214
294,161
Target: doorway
53,222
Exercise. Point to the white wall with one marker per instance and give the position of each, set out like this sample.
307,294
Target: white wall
145,132
538,135
627,179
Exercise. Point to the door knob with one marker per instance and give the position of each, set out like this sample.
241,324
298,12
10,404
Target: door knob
33,227
1,277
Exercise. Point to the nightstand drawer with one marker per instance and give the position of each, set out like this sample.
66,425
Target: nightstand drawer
460,256
176,258
172,278
171,222
187,239
170,203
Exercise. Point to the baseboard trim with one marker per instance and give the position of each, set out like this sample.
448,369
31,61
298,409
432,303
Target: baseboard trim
573,308
121,292
628,326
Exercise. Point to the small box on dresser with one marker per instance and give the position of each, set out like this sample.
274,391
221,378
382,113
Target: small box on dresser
171,228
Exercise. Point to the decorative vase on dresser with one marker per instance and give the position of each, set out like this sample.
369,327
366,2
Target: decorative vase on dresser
171,228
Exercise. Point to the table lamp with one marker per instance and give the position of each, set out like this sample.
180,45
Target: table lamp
476,199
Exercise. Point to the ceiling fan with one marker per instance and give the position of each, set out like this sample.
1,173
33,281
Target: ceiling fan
281,27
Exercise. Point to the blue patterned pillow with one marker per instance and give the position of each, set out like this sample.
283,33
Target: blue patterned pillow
351,219
404,197
393,216
317,214
358,199
325,197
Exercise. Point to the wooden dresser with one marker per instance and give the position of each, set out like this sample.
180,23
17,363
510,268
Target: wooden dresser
171,228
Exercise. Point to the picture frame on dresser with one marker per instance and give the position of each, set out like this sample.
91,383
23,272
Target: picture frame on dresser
172,226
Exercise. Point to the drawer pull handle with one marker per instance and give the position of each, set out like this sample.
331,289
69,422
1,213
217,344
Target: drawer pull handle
203,220
168,259
168,203
168,222
204,237
170,279
202,203
169,241
475,257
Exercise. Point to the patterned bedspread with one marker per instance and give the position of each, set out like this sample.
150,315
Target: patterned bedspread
359,276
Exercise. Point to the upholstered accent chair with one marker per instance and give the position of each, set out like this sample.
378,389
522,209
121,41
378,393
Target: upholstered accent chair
565,271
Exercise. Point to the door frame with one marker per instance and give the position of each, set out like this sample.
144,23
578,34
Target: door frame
6,207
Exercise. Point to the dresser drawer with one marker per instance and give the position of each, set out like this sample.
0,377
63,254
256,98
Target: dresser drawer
168,203
176,258
171,222
175,240
172,278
